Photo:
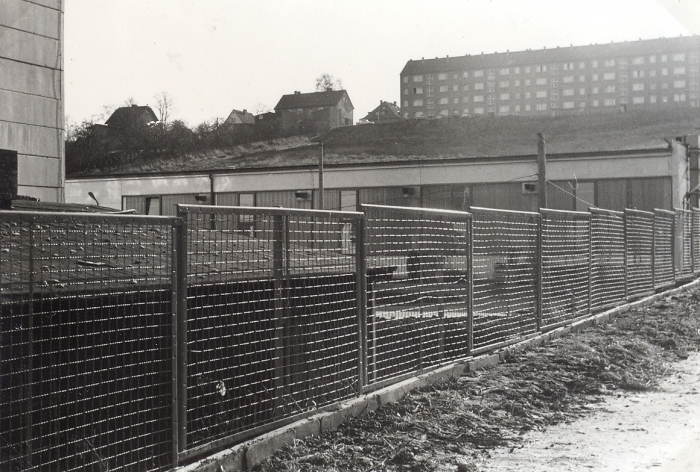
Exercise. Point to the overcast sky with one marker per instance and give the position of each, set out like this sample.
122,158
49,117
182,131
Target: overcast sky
212,56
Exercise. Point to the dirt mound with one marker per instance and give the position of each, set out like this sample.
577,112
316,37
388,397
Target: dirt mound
452,424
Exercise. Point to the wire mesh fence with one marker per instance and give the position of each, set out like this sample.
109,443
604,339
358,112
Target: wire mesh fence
566,266
137,343
639,252
272,320
418,289
664,272
607,258
85,342
505,266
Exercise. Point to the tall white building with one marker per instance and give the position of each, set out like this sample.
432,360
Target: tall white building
32,155
651,73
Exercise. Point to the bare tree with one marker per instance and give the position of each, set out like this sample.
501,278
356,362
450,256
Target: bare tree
164,106
129,102
326,83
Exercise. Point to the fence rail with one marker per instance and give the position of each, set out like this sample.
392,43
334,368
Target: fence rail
135,342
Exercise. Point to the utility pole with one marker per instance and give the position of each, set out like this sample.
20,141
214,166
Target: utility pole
541,170
320,179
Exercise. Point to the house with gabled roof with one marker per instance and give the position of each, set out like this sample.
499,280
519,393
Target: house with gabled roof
238,117
316,112
384,113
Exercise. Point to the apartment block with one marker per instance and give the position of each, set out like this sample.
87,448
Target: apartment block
642,74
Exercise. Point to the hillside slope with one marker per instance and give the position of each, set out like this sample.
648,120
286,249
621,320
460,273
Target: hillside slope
444,139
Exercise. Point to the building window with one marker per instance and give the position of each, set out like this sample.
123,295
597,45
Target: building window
582,91
490,87
679,84
444,88
609,63
516,83
664,86
478,98
594,64
490,100
652,73
455,100
478,73
594,90
595,103
444,112
430,92
455,88
637,87
664,58
541,94
418,114
554,97
567,92
555,69
479,111
405,79
429,80
609,89
541,68
541,106
442,76
405,92
418,90
465,74
664,71
527,69
490,74
517,108
516,70
609,76
679,56
504,71
418,78
569,79
528,107
637,100
417,103
679,97
479,86
465,99
637,74
539,81
581,78
504,109
582,104
567,105
622,63
528,95
504,84
652,99
465,112
567,66
505,96
581,65
465,88
679,71
528,82
609,102
638,60
594,77
443,101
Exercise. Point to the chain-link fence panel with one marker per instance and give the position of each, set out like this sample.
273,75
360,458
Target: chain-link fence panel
505,265
566,269
639,234
85,343
272,318
418,286
664,272
607,258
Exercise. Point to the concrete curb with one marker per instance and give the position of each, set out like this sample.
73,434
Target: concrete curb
247,455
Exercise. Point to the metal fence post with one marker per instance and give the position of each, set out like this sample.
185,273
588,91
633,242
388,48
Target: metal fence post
470,283
279,264
180,335
30,351
361,290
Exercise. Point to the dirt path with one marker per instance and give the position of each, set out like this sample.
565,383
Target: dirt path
657,430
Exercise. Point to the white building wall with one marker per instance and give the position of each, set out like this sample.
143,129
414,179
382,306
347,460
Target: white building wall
31,94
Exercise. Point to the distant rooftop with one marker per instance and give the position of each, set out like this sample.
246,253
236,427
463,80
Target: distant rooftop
310,100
